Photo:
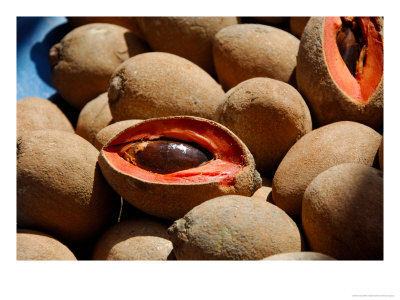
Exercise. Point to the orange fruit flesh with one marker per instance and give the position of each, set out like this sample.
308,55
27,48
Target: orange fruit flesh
228,155
359,89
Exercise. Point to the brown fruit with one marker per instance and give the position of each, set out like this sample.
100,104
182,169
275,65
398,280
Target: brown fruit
245,51
271,20
306,255
340,69
188,37
83,62
330,145
264,192
269,116
135,239
297,25
109,131
94,116
342,213
234,227
60,188
149,180
380,154
35,245
127,22
158,84
34,113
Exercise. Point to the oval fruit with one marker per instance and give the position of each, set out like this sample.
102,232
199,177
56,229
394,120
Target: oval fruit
245,51
234,227
322,148
269,116
135,239
158,84
34,113
35,245
188,37
83,62
60,188
340,69
230,170
342,213
306,255
93,117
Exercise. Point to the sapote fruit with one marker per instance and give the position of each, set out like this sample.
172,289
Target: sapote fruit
36,245
60,188
234,227
158,84
93,117
34,113
140,238
340,69
188,37
269,116
318,150
342,212
167,166
84,60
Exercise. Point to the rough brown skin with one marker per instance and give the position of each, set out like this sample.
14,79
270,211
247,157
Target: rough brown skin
173,201
188,37
83,62
127,22
60,188
234,227
93,117
34,113
342,212
245,51
327,102
269,116
135,239
35,245
327,146
158,84
297,25
306,255
109,131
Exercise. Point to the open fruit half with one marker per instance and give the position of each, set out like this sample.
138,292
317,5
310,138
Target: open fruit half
340,69
166,166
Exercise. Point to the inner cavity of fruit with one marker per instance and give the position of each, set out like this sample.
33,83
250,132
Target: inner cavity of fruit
165,156
354,53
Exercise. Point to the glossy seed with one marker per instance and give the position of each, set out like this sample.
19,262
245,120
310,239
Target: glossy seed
164,156
348,46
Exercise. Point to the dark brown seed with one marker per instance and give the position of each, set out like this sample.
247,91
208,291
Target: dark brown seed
348,46
164,157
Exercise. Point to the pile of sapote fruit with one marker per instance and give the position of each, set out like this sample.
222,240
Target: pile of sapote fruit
206,138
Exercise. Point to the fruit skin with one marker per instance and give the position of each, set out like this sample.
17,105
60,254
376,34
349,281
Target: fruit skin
188,37
271,20
269,116
264,192
327,101
245,51
306,255
60,188
158,84
380,155
234,227
34,113
342,213
172,201
35,245
93,117
84,60
322,148
109,131
135,239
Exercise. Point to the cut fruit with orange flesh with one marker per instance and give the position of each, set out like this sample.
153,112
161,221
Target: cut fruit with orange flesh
361,87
